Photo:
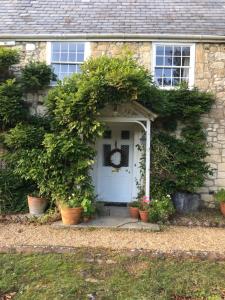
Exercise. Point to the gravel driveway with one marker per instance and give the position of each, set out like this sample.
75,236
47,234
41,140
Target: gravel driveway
173,238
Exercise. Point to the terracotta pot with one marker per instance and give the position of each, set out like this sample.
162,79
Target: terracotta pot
143,215
71,216
134,212
222,208
37,205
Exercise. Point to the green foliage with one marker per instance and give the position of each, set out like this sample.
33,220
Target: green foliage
179,141
13,108
161,209
88,207
36,76
8,57
13,192
220,196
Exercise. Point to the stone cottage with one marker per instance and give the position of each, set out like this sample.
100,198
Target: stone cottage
176,40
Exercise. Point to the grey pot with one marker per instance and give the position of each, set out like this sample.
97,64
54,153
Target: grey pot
37,205
186,202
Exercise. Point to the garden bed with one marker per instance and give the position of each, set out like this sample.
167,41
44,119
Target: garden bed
203,218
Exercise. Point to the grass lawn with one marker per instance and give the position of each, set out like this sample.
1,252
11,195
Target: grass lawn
101,274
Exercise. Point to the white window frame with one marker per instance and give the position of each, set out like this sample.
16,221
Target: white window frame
87,51
192,61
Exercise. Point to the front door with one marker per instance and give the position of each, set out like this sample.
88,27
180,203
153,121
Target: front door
114,164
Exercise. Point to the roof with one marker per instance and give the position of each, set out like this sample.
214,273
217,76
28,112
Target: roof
84,17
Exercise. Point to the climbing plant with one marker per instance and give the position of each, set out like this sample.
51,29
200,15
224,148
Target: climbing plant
60,162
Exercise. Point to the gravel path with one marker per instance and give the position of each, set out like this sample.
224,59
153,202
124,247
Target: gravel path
173,238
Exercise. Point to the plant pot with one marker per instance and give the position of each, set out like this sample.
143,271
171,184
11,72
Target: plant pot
222,208
37,205
134,212
71,216
144,215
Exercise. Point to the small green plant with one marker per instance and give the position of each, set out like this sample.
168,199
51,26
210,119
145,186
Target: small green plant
134,204
88,207
161,209
8,57
220,195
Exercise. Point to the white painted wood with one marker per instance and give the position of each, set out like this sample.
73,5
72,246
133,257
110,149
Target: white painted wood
115,185
148,152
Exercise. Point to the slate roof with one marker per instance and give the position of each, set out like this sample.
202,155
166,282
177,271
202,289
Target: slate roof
193,17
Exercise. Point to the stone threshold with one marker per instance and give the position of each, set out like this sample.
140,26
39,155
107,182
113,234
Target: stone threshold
152,254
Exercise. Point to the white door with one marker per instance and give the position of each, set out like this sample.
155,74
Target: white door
114,182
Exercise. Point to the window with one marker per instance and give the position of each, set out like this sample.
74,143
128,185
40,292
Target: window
173,64
66,57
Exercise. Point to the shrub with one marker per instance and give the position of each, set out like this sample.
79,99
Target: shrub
12,107
161,209
36,76
13,192
8,57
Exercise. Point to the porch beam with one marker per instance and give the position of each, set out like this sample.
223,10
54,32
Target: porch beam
148,159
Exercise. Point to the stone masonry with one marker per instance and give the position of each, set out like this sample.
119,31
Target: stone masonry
209,76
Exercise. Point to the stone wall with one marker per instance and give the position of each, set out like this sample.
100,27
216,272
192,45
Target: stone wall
142,51
210,76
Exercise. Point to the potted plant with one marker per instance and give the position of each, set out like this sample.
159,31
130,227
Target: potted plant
88,209
134,209
220,198
37,204
71,209
144,208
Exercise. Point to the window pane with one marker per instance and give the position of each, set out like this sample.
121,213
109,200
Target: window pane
72,47
166,81
177,51
184,72
80,57
185,51
80,47
159,81
176,81
55,56
64,56
72,57
167,72
55,47
78,69
168,61
64,47
159,61
72,68
64,68
106,155
159,50
176,72
177,61
125,155
184,80
125,134
169,50
158,72
185,61
107,134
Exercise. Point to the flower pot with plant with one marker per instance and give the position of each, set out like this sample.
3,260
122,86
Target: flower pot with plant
71,210
220,198
134,209
144,208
